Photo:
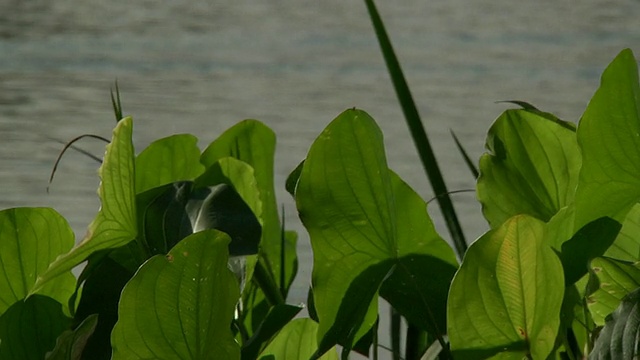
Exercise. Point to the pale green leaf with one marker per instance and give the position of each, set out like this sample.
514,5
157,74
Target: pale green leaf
609,139
531,168
296,341
115,225
31,239
180,306
365,224
506,298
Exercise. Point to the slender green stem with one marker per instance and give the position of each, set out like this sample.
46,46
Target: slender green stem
416,343
417,130
395,334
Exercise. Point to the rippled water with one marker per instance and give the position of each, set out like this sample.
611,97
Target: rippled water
199,67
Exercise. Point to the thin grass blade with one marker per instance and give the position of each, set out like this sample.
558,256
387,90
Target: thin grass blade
417,130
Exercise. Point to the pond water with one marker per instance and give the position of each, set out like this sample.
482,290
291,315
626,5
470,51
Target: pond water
199,67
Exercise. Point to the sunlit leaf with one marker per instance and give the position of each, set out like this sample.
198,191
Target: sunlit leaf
507,295
30,239
29,328
297,340
365,225
115,224
609,139
180,306
167,160
531,168
613,280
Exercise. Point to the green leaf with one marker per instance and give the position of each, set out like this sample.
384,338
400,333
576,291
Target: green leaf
627,245
71,343
619,337
531,168
292,180
506,297
167,160
155,323
609,139
274,321
115,224
29,328
30,239
365,224
612,280
297,340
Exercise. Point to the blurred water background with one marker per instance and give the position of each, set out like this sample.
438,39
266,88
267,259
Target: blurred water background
201,66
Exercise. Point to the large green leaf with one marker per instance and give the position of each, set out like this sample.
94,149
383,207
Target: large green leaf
30,239
531,168
296,341
609,139
115,224
167,160
619,337
506,298
610,281
180,306
365,224
29,328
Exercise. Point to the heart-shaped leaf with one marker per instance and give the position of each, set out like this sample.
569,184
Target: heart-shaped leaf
367,225
506,297
180,306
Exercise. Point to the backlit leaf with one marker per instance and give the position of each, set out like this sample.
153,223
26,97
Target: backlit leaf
506,298
115,225
297,340
180,306
31,239
366,225
531,168
609,139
